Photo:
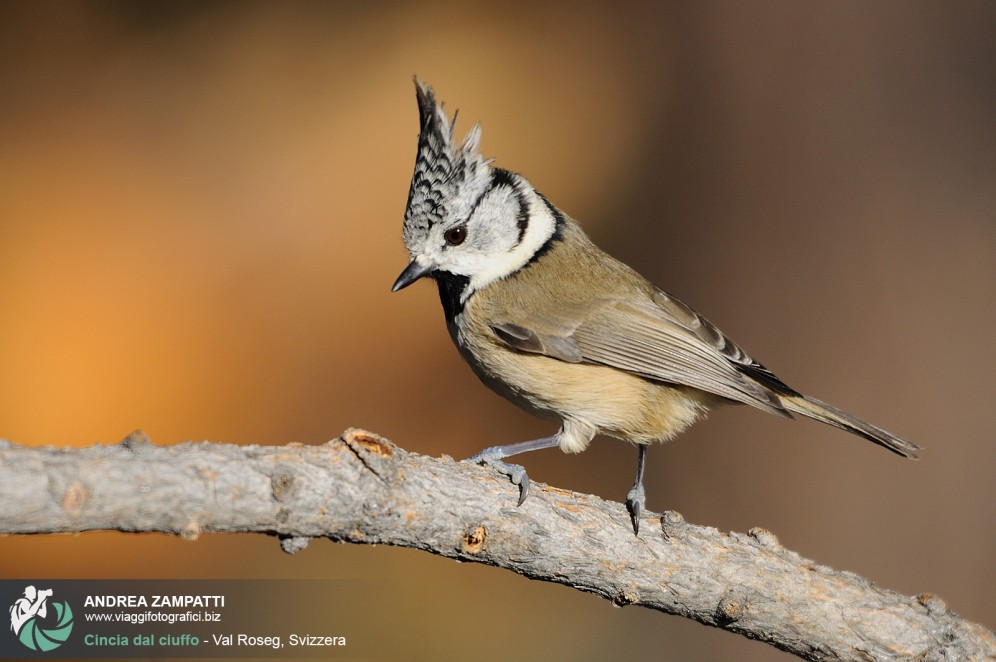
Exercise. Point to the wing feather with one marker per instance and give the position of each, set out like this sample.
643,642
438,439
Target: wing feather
657,338
644,339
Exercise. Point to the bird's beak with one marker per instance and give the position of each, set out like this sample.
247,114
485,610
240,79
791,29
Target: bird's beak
412,273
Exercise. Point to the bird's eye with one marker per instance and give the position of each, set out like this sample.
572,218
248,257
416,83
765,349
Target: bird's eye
455,236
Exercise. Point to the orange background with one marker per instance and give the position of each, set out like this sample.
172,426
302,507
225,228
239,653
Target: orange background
200,218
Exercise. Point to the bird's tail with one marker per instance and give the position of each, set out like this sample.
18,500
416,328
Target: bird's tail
821,411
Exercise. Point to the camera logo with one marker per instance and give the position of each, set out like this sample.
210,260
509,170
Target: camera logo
31,625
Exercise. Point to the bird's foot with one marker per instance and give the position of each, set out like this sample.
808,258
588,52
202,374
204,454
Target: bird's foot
636,500
492,457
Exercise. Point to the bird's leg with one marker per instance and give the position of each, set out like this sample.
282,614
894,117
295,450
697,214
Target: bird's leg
493,458
637,498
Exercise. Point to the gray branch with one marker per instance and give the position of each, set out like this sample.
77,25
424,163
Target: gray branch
361,488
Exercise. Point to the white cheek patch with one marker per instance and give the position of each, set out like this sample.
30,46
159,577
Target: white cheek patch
501,263
491,226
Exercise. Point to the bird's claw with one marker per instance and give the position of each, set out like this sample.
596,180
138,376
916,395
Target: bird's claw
635,502
516,472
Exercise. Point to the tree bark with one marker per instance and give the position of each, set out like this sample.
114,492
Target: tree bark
361,488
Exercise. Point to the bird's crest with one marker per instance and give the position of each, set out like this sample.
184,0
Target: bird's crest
447,178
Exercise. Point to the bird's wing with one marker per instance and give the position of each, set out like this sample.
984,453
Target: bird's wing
656,337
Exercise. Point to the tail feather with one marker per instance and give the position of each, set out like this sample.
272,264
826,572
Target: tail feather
821,411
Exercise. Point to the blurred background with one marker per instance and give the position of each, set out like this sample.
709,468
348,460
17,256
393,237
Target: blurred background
200,220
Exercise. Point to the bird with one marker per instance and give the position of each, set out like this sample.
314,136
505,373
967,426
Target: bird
551,322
